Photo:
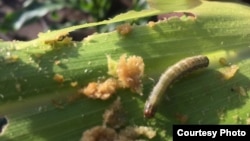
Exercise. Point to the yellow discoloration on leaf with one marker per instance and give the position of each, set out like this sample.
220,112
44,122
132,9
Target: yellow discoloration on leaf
112,66
55,39
11,59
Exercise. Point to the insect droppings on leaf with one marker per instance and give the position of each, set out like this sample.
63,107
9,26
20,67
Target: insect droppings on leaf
130,70
114,116
99,133
100,90
224,62
124,29
73,84
127,72
111,132
58,78
151,24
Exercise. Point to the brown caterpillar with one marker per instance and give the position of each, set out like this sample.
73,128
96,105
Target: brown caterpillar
169,76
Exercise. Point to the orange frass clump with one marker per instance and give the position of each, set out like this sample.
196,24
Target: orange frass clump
58,78
102,90
151,24
125,73
129,72
99,133
124,29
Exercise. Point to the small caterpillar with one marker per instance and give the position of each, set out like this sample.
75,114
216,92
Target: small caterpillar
169,76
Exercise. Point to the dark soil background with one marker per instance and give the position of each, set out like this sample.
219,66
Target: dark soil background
72,12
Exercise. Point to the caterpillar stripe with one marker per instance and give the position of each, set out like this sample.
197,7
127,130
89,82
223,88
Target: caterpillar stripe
169,76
